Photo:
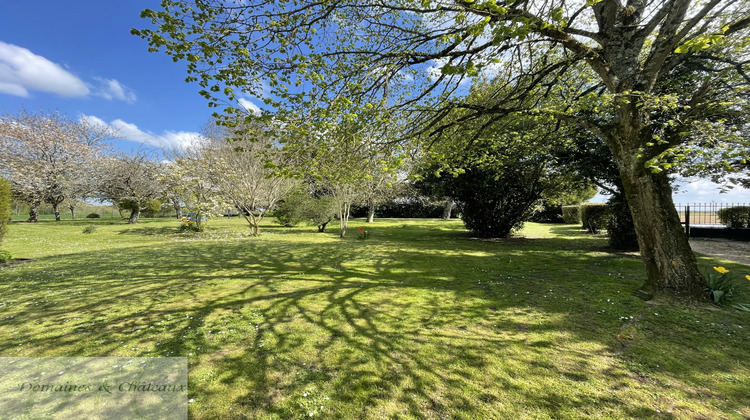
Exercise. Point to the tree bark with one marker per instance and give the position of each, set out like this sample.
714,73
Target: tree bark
56,211
371,212
448,209
72,211
344,219
177,209
34,212
134,215
670,263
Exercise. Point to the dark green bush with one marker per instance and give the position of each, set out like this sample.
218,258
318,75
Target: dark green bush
620,225
735,217
93,216
495,203
594,216
291,211
4,207
151,207
571,214
303,207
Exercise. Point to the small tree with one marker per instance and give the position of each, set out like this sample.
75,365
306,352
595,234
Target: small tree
187,181
131,182
239,165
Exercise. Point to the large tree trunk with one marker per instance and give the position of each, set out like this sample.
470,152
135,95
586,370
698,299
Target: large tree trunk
34,212
448,209
371,212
670,263
56,211
134,215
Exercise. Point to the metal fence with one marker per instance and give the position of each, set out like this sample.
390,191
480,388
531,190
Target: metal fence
702,220
703,214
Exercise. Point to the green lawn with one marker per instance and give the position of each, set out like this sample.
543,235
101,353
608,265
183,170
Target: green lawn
419,321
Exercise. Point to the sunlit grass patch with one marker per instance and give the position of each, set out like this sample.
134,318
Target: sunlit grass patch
418,321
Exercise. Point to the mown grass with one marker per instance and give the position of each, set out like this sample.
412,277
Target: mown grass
419,321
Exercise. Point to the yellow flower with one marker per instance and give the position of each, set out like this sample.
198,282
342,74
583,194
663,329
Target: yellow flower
748,278
721,270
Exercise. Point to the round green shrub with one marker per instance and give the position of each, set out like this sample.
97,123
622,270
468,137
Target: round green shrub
495,203
151,207
5,257
93,216
620,227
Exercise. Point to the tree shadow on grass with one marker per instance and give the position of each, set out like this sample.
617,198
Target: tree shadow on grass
444,328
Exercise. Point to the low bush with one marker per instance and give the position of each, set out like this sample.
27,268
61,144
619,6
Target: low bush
93,216
150,208
620,227
735,217
5,257
594,216
571,214
89,230
493,203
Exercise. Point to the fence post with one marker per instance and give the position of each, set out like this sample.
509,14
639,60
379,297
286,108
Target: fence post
687,221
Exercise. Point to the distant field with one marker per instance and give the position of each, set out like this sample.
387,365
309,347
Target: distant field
419,321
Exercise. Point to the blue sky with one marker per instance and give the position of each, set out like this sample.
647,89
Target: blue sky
79,58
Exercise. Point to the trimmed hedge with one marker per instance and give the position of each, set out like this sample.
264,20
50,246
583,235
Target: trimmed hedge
571,214
620,227
735,217
93,216
594,216
415,208
4,207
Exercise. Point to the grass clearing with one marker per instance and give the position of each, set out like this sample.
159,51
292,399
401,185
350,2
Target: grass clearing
419,321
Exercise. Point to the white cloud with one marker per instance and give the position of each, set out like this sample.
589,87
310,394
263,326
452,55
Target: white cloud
249,106
165,140
112,89
705,191
22,71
